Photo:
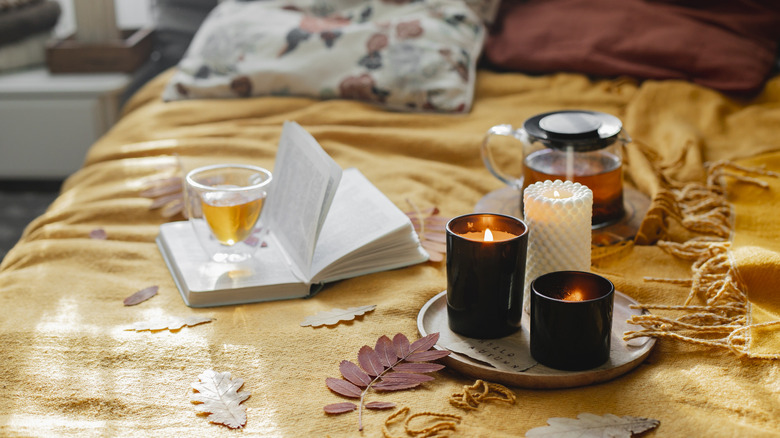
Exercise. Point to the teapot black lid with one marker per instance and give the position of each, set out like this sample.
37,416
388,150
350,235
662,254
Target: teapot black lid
579,129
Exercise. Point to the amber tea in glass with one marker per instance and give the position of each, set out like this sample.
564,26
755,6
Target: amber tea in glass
599,170
231,216
570,145
224,203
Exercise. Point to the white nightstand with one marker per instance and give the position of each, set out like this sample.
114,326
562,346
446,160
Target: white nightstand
47,122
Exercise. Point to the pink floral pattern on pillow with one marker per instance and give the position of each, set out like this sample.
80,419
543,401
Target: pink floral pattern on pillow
404,55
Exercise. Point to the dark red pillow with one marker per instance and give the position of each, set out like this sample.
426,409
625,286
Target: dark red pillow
728,45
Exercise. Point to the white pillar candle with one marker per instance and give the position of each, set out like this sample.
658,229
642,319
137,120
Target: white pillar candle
558,216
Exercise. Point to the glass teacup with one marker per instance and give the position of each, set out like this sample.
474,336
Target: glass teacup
224,203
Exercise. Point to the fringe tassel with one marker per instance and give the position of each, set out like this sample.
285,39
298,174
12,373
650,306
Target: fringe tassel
720,318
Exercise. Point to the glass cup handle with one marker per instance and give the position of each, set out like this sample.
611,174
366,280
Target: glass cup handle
487,155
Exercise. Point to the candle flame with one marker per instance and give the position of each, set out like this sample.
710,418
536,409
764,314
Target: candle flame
574,295
488,235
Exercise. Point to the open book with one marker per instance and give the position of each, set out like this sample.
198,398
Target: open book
323,225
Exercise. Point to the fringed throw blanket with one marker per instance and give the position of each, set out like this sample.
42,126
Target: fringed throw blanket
716,311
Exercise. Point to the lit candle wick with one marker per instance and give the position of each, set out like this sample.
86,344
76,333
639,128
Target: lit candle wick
488,235
574,295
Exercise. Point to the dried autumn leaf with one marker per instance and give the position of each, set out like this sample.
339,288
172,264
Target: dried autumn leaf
340,408
386,350
379,405
98,233
216,394
343,387
354,374
167,191
369,361
169,324
391,365
425,356
401,344
593,426
141,296
431,229
418,367
398,381
335,316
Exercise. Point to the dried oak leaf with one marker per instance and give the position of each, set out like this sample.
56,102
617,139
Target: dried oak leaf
593,426
335,316
141,296
392,365
431,229
216,394
169,324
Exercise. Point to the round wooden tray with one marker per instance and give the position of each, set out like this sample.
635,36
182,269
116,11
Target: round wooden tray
624,356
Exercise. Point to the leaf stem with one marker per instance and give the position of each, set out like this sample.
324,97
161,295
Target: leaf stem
363,393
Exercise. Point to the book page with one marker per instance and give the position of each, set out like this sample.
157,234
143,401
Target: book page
359,216
267,266
305,180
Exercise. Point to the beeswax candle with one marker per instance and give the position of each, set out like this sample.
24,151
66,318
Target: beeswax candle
558,215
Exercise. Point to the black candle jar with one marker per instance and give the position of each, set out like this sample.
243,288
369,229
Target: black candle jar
571,319
485,274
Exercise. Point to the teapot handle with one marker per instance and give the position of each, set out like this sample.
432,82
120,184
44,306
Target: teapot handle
487,155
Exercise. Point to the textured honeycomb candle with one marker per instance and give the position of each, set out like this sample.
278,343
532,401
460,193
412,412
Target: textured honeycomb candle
558,215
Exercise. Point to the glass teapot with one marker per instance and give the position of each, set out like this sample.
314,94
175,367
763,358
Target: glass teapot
576,145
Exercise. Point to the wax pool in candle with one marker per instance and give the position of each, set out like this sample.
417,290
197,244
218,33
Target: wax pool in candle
558,214
574,295
488,235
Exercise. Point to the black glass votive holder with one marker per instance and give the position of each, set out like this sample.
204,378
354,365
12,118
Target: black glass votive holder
486,256
571,319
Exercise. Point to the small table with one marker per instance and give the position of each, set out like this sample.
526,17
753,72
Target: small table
48,122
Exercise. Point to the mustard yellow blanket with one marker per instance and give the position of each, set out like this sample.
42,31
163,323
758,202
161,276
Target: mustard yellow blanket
68,367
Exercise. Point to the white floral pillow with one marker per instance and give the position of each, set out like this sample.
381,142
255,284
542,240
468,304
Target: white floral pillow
403,54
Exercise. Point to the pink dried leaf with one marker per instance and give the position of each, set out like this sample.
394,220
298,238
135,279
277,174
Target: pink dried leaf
162,187
342,387
252,241
398,375
436,222
414,367
379,405
426,356
406,377
434,246
430,211
401,343
424,343
395,385
141,296
163,200
436,237
386,351
435,256
354,374
98,233
369,361
339,408
173,208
